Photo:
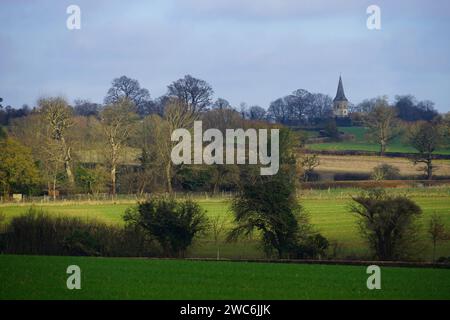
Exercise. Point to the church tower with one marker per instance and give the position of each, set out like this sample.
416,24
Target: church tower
340,102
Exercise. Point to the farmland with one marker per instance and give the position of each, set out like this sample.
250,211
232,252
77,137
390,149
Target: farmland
330,164
43,277
359,143
328,211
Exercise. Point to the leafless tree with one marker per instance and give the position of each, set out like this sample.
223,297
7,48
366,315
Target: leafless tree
382,124
426,138
194,93
437,231
118,120
218,228
127,88
58,120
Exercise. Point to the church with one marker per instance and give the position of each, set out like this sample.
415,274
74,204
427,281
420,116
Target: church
340,102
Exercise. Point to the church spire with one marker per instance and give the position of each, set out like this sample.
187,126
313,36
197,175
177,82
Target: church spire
340,95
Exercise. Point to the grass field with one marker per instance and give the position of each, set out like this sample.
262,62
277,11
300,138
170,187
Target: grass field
328,211
40,277
361,144
365,164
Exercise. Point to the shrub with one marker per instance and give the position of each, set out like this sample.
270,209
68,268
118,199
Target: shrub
385,172
313,247
37,232
173,224
351,176
387,223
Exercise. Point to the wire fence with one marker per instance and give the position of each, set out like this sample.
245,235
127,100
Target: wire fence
118,198
302,193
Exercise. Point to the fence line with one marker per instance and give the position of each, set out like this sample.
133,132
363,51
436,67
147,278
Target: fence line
105,197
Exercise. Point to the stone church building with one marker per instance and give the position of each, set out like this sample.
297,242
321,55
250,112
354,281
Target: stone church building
340,102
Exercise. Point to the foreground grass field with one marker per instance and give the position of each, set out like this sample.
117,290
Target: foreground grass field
328,210
40,277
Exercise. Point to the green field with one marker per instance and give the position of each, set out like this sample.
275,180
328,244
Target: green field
40,277
328,211
361,144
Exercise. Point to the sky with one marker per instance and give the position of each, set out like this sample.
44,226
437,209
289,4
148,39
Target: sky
252,51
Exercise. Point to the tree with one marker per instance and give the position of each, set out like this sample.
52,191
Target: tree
220,104
86,108
173,224
425,137
222,119
218,226
409,109
117,121
366,106
176,115
385,171
129,89
321,107
307,164
194,93
331,130
268,204
387,222
279,111
33,131
18,172
437,231
92,180
382,124
256,113
58,117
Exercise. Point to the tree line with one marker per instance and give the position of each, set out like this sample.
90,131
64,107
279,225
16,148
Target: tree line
123,145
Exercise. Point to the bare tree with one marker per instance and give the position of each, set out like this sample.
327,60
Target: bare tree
59,119
425,137
218,227
382,124
127,88
176,115
257,113
194,93
221,103
117,121
307,165
437,231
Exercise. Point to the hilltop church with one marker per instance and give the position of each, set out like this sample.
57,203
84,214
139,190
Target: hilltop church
340,102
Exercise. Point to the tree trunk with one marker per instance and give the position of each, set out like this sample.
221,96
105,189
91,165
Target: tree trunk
113,180
169,177
67,166
382,147
69,173
429,168
54,188
434,250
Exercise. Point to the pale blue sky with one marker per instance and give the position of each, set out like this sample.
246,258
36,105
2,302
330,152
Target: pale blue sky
252,51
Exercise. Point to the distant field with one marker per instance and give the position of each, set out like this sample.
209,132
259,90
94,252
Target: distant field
361,144
328,211
365,164
41,277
